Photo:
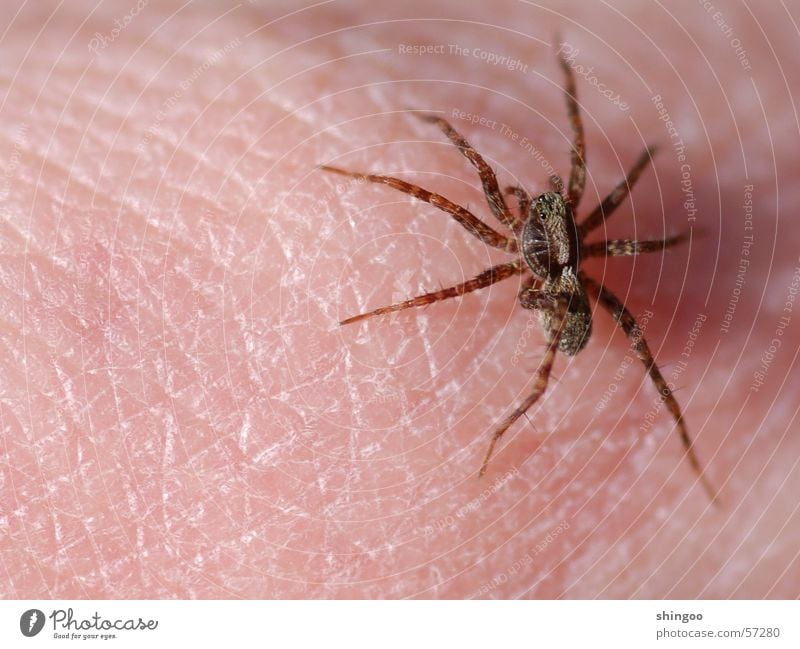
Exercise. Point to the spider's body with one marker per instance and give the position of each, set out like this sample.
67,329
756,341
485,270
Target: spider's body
550,246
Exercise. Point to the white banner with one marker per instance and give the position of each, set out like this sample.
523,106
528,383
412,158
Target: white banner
399,624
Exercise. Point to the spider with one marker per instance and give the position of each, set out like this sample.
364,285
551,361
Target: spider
550,245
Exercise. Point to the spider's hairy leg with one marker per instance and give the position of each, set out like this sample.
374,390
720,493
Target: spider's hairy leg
556,184
619,193
628,323
486,278
497,203
469,221
577,174
524,201
542,374
627,247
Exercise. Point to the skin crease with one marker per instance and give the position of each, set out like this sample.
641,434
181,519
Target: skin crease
182,416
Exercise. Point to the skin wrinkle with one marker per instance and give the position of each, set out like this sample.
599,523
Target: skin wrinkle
296,508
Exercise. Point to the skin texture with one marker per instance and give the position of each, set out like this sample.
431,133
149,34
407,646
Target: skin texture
181,414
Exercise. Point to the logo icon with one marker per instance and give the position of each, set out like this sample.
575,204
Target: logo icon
31,622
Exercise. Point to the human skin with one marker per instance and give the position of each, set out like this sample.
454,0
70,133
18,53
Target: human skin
182,415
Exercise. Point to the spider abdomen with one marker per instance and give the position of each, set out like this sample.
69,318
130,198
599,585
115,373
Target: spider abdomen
577,325
567,292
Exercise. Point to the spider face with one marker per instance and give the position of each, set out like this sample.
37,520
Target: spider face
551,245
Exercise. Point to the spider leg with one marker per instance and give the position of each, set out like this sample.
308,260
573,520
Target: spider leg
486,278
524,201
490,187
626,247
542,374
627,322
469,221
619,193
577,174
556,184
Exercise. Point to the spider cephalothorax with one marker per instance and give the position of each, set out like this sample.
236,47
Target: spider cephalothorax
550,245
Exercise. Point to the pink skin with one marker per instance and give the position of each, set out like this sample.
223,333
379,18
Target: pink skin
182,416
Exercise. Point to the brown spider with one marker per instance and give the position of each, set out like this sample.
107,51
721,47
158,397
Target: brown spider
552,246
